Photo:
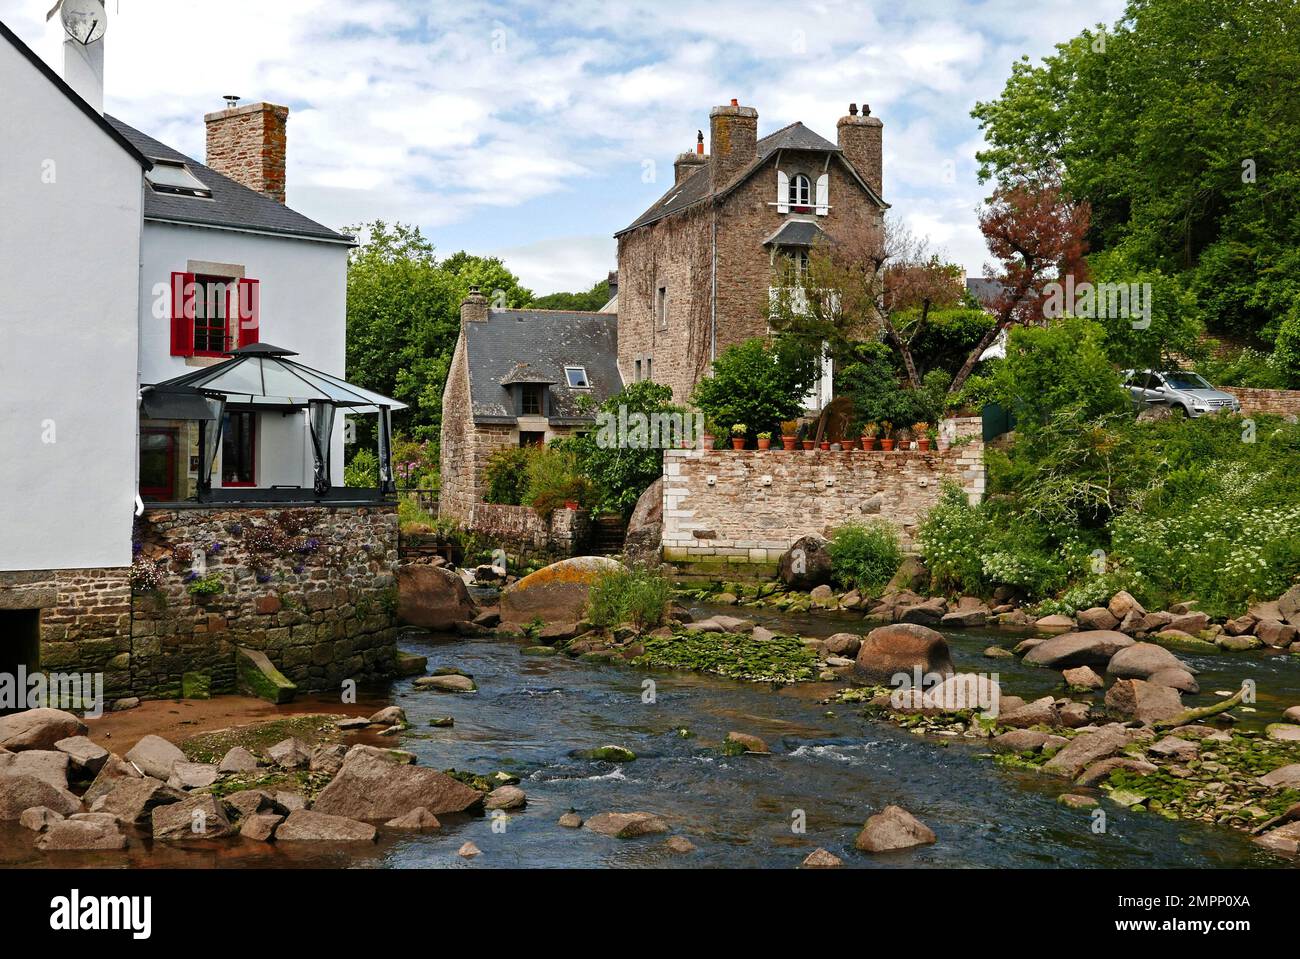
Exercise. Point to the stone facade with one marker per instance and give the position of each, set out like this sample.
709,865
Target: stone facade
709,258
739,510
249,144
1277,402
312,587
525,535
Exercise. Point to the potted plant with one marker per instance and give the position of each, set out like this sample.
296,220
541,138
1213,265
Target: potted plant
869,435
738,431
922,433
764,441
789,431
709,436
932,436
886,435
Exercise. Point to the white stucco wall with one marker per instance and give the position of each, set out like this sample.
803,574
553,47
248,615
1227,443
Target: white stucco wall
303,290
69,278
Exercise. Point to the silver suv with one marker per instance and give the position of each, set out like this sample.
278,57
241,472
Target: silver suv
1183,392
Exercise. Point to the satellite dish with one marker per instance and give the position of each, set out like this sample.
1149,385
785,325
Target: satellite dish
83,20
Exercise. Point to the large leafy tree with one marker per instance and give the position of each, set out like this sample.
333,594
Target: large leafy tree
758,384
589,301
404,316
1180,126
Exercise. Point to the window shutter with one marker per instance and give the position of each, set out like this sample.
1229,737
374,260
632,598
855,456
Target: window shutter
183,293
782,192
250,312
823,194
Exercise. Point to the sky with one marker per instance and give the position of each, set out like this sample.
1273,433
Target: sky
534,131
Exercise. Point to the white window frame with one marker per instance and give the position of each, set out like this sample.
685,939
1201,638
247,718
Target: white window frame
661,307
568,378
800,190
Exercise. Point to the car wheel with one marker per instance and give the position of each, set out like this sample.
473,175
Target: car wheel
1179,411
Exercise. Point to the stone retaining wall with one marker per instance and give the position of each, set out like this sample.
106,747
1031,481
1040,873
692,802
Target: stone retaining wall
1277,402
524,535
735,510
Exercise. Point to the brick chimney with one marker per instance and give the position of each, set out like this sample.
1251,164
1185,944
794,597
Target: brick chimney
474,308
248,144
688,163
733,142
860,139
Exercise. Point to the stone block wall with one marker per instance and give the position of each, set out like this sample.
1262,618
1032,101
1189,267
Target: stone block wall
1277,402
740,510
525,536
312,587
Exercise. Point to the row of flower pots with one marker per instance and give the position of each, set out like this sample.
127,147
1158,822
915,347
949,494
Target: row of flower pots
793,443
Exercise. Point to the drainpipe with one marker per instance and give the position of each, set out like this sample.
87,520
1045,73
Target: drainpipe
713,290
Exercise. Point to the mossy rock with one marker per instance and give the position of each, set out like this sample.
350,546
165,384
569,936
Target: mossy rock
1187,644
609,754
442,722
258,677
411,664
196,686
538,651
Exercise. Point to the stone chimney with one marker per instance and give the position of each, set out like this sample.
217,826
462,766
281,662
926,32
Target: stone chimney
733,142
688,163
474,308
860,139
248,144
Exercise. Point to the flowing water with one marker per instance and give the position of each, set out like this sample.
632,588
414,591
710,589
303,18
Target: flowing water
831,769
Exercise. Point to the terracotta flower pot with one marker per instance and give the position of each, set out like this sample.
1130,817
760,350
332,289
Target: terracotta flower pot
809,444
887,445
868,442
738,442
707,441
571,504
923,444
764,444
826,444
787,442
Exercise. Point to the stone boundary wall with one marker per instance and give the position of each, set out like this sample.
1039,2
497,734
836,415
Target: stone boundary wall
316,593
521,531
729,508
1277,402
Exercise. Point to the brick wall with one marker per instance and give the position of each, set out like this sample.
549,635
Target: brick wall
744,508
1277,402
249,144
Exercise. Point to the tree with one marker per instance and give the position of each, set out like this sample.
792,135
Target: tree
1037,236
589,302
758,384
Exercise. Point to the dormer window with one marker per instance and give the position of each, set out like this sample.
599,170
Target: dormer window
577,377
174,178
531,404
800,191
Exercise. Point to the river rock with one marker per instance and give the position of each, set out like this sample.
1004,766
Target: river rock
1056,623
843,644
1190,622
570,820
22,791
1076,801
81,835
39,818
86,756
1285,839
1097,617
1184,642
1178,679
679,845
1073,715
155,756
133,800
370,787
1138,699
643,541
328,758
291,753
752,744
307,825
964,691
1085,749
1083,678
1141,660
48,765
1019,741
1288,606
506,798
1099,772
417,820
452,683
38,729
237,760
1278,635
806,564
432,598
821,859
891,829
1286,776
928,613
1094,647
1283,732
260,827
1123,605
1172,747
250,802
113,770
902,648
1292,714
468,851
389,716
1041,712
626,825
193,775
197,817
555,593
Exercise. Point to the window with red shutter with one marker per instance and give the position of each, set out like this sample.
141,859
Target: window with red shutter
249,312
183,292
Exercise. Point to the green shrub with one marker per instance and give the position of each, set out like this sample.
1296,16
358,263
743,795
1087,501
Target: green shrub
636,595
758,383
952,539
363,470
552,477
504,475
864,556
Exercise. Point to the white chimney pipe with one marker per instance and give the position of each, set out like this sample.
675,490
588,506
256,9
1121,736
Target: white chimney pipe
83,70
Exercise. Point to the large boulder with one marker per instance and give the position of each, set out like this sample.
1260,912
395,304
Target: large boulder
199,817
556,594
369,786
1098,617
1288,605
48,765
82,835
132,800
806,564
1147,702
1084,750
155,756
911,576
1093,647
643,541
431,597
106,780
22,791
86,756
626,825
893,828
902,648
38,729
305,825
1143,660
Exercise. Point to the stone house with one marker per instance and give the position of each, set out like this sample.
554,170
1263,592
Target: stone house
696,270
518,378
139,309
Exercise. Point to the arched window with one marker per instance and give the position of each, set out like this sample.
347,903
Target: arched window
800,190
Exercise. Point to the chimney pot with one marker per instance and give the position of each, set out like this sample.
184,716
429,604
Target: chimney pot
735,102
853,109
474,308
249,144
733,142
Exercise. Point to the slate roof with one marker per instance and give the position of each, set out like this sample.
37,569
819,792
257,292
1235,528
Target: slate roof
796,233
695,188
233,205
544,342
984,290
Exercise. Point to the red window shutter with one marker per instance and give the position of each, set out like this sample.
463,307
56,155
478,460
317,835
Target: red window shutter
183,293
249,312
